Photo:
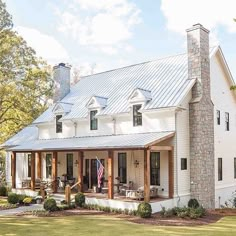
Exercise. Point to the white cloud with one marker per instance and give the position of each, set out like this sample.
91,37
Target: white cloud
45,45
106,28
212,14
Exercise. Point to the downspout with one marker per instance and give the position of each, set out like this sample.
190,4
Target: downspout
75,129
114,125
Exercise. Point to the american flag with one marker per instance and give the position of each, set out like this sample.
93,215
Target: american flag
100,170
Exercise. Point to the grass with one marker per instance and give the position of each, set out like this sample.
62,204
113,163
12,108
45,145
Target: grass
105,226
3,201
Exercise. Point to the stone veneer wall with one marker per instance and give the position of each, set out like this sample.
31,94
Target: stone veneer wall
202,172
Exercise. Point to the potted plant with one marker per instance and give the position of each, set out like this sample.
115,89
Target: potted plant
38,199
27,201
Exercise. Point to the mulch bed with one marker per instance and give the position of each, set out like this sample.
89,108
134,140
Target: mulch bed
156,219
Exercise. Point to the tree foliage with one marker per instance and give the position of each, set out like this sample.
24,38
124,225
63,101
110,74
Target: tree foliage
25,81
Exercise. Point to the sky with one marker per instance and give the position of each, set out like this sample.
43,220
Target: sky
98,35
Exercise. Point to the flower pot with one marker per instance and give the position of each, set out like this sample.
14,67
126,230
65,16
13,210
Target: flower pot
38,201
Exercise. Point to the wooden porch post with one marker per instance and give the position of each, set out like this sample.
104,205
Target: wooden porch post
147,175
80,170
39,165
171,172
13,169
32,185
110,174
54,172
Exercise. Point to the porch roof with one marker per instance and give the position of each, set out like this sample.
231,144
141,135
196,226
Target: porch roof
123,141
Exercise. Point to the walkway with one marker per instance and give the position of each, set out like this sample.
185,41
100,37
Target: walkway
21,209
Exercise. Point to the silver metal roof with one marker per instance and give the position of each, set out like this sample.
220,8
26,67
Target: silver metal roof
26,135
95,142
166,79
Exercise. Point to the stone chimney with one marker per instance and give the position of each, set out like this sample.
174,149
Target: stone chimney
61,76
201,116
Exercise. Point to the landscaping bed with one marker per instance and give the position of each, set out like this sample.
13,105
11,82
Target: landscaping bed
4,205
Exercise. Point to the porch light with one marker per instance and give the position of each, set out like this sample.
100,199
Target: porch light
136,163
76,162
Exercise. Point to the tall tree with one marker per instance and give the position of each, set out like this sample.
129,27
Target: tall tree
25,84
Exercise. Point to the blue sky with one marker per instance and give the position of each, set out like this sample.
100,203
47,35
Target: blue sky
105,34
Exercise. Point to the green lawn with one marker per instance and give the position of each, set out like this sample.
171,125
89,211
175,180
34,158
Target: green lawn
106,226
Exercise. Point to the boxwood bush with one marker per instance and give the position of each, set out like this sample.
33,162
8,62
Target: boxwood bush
12,198
193,203
50,205
144,210
3,191
79,199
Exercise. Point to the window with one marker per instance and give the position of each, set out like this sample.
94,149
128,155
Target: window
58,124
122,167
227,121
93,120
235,167
218,117
137,116
29,165
48,165
220,177
183,163
155,168
69,162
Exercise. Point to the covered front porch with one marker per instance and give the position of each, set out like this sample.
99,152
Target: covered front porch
140,169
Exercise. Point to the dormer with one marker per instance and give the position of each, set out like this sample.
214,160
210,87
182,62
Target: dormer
96,103
140,96
61,108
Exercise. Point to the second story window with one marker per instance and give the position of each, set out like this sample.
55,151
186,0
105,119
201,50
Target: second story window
93,120
58,124
137,116
227,121
218,117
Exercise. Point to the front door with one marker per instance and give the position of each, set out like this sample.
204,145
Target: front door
93,172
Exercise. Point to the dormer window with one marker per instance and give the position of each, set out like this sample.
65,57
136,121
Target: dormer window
93,120
137,115
58,124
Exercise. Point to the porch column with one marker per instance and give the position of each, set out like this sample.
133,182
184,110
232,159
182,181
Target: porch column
171,172
54,172
39,165
110,174
147,175
13,169
80,170
32,182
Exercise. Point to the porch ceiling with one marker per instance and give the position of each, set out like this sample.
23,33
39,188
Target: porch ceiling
124,141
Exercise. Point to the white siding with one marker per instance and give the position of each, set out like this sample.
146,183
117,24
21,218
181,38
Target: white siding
225,147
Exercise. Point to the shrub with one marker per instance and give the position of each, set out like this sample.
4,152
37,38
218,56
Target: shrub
144,210
193,203
79,199
12,198
27,200
50,204
21,198
3,191
167,212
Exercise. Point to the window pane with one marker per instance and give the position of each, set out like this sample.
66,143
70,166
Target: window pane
235,167
58,124
155,168
29,165
218,117
183,163
137,116
227,121
122,168
69,159
220,174
48,165
93,120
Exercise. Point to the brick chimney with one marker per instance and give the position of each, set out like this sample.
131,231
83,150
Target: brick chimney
201,116
61,76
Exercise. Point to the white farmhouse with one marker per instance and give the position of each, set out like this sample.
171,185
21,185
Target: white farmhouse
164,131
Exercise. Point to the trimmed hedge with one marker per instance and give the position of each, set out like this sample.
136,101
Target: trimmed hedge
144,210
12,198
193,203
50,205
79,199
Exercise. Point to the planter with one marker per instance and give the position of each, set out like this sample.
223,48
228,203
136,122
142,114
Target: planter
38,201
